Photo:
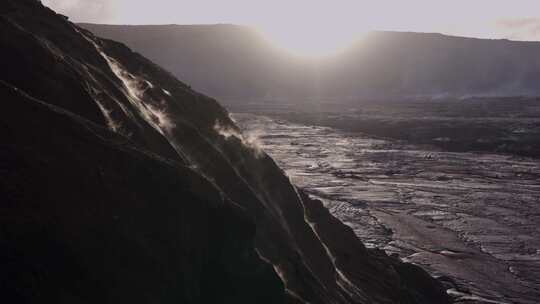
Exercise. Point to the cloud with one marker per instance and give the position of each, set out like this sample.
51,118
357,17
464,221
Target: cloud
82,10
518,22
520,28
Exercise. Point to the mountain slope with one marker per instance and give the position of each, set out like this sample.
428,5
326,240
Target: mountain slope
89,218
380,65
186,208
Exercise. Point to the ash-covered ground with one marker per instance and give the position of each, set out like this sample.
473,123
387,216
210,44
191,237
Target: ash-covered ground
471,219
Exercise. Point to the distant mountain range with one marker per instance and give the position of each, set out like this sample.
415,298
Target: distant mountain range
237,63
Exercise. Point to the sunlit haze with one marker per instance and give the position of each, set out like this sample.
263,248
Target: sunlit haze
320,27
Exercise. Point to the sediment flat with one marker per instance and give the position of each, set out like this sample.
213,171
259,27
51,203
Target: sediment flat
472,219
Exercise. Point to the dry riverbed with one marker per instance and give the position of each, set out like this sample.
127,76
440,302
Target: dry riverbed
471,219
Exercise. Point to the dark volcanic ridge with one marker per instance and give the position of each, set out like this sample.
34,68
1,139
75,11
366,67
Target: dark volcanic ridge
121,184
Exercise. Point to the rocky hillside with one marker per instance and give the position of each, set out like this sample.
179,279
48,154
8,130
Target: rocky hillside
380,65
121,184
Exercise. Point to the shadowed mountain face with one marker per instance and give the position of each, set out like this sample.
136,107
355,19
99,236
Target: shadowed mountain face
87,217
237,64
121,184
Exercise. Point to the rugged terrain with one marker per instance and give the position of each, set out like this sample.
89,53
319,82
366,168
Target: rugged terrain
470,218
122,184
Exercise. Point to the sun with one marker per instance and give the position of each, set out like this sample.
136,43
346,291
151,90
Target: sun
311,41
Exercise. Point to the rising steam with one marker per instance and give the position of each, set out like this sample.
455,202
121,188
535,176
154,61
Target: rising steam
135,86
249,139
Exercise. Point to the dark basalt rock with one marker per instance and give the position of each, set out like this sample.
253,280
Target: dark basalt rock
173,206
89,218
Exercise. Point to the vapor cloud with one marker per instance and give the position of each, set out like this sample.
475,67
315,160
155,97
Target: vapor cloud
248,139
521,28
519,22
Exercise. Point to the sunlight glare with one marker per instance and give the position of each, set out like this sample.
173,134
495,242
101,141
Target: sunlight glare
312,40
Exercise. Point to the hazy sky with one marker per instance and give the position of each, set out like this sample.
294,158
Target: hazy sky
322,25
